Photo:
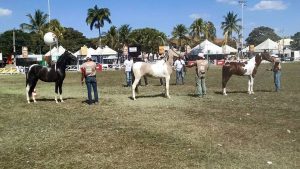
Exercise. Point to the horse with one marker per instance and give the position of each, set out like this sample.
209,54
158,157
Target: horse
159,69
54,73
248,68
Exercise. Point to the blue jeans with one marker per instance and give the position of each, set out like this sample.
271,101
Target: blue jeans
91,82
200,86
179,76
277,77
128,78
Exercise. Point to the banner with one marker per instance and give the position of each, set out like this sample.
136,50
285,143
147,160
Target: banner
0,56
251,48
24,51
83,50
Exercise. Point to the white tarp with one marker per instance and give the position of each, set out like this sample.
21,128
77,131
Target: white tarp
207,47
228,49
56,52
266,45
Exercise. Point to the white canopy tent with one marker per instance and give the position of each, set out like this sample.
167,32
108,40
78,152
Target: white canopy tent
206,47
228,49
268,45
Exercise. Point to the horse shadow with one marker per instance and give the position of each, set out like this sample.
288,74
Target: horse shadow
48,100
246,92
149,96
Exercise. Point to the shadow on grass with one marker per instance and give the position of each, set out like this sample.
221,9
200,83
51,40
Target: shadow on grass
148,96
262,91
47,99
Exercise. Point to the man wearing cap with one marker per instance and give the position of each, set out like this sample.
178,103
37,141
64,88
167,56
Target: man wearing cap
179,67
88,70
276,68
201,69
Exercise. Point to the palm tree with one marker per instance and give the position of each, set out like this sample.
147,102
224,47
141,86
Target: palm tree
112,38
197,28
36,24
180,31
230,24
124,32
56,28
96,17
209,30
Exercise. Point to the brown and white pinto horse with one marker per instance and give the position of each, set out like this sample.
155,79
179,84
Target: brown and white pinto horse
160,69
248,68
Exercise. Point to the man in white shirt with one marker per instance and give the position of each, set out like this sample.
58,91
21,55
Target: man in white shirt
179,66
128,67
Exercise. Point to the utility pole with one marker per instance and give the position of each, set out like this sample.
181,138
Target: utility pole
14,43
242,3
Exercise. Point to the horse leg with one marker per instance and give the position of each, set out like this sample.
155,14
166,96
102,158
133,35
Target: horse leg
224,83
27,93
250,85
56,91
134,86
60,92
167,86
31,89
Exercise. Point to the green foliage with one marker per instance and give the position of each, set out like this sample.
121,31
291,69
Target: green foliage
73,40
147,38
295,44
230,25
180,32
260,34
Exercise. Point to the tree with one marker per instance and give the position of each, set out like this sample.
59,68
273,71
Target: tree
295,44
96,17
56,28
197,29
124,32
179,32
230,25
73,39
112,38
260,34
36,24
21,39
209,31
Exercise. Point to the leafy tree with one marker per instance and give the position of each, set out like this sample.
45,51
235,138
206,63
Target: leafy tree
73,39
56,28
112,38
260,34
295,44
179,32
197,29
230,25
96,17
36,24
148,38
21,39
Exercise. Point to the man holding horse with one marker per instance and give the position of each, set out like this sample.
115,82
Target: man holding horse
276,68
201,69
88,70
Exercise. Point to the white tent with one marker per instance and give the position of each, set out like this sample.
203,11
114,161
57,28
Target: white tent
56,52
207,47
266,45
228,49
246,49
108,51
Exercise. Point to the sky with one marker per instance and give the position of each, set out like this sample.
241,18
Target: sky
163,15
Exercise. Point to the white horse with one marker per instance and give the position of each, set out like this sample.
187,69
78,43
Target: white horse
160,69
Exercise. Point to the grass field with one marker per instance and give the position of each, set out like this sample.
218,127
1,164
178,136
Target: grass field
238,131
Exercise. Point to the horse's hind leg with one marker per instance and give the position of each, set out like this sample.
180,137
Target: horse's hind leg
30,88
27,93
250,85
134,87
224,83
56,91
60,93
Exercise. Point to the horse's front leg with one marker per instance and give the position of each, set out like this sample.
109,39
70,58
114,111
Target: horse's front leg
250,85
56,91
27,93
167,86
60,92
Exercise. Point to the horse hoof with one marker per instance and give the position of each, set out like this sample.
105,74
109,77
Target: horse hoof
224,94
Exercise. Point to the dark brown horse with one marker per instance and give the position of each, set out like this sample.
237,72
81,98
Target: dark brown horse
248,68
54,73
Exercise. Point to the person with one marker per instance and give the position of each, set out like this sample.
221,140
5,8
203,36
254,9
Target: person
128,68
276,68
88,70
201,69
179,67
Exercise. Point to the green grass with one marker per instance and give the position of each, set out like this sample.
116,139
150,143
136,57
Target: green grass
234,131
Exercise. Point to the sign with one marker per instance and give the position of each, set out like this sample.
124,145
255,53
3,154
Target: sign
24,51
0,56
251,48
162,49
83,50
132,49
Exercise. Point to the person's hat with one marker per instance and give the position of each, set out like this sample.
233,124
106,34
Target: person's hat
88,58
201,55
274,55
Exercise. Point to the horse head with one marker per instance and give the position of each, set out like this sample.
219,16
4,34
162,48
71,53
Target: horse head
266,56
67,59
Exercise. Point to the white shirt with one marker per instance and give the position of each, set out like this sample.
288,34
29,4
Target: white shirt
178,65
128,65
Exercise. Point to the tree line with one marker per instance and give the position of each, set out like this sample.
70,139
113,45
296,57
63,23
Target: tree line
31,34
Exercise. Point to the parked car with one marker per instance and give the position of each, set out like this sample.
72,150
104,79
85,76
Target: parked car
287,59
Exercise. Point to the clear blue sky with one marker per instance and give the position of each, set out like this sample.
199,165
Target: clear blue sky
164,15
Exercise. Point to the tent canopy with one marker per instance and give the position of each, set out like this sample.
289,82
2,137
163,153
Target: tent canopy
228,49
56,52
266,45
206,47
